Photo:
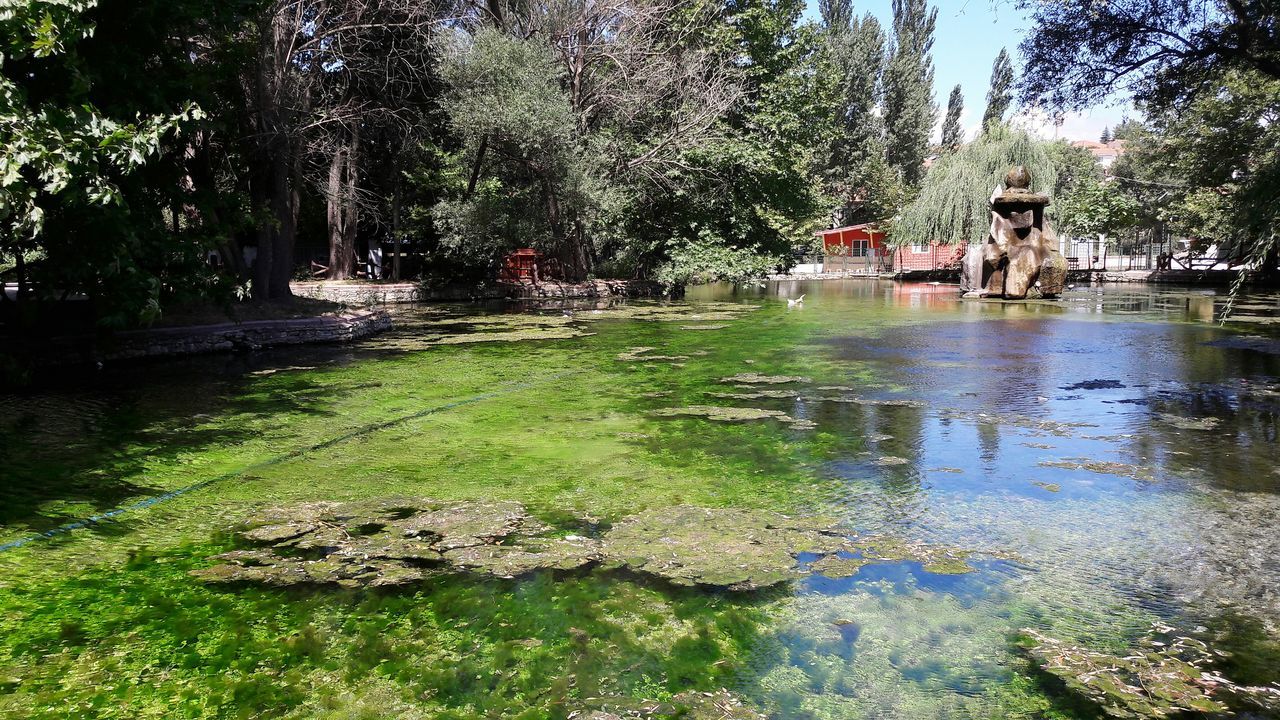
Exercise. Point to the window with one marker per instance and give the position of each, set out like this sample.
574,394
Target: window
919,249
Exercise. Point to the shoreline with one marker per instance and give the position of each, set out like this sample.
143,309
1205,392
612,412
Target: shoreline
1188,278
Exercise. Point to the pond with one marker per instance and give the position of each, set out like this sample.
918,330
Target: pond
1091,468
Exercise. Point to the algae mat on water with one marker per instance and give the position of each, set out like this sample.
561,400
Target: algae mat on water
555,446
402,541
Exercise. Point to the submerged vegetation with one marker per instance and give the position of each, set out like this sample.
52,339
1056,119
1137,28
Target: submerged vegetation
584,553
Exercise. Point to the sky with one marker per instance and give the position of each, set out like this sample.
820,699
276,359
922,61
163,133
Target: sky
969,35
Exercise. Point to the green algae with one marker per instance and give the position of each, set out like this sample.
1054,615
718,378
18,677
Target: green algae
755,395
890,460
402,541
88,627
718,705
836,566
891,402
1059,428
717,413
735,549
509,336
1102,467
643,354
1187,423
723,414
392,542
1048,487
758,379
1166,673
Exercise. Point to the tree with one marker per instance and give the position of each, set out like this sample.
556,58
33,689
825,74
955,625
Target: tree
1206,73
909,109
619,98
1080,52
853,168
952,205
90,201
325,74
1000,94
952,132
1106,135
1211,167
837,15
1128,129
1096,208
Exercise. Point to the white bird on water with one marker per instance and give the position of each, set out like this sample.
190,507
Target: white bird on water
797,301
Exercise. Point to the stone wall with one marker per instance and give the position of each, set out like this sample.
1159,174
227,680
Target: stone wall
590,289
355,293
252,335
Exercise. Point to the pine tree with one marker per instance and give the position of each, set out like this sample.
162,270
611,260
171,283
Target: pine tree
952,133
1000,95
909,109
1106,135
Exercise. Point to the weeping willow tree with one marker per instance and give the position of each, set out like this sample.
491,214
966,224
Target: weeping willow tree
953,202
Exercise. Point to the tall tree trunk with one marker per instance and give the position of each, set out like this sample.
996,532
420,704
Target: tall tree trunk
287,191
343,211
265,232
395,220
339,268
277,195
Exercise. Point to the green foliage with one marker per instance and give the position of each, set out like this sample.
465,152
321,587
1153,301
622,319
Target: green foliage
857,63
953,203
909,110
88,194
1209,168
952,132
707,260
507,90
1000,93
1093,208
505,100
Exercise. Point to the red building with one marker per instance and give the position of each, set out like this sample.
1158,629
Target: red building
855,248
852,248
927,258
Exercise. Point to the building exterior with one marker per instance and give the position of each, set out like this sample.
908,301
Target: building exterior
862,249
927,258
852,248
1104,153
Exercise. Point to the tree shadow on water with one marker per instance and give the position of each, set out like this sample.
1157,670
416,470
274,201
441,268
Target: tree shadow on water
76,453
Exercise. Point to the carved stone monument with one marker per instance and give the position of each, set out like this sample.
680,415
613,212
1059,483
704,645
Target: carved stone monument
1020,257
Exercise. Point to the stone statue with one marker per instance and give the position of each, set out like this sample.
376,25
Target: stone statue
1020,257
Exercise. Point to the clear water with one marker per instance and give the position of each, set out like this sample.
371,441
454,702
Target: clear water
1114,452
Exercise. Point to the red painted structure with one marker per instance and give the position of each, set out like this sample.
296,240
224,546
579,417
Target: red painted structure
935,256
520,266
852,240
862,248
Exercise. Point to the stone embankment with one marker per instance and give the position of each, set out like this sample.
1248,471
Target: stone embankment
359,293
199,339
550,289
